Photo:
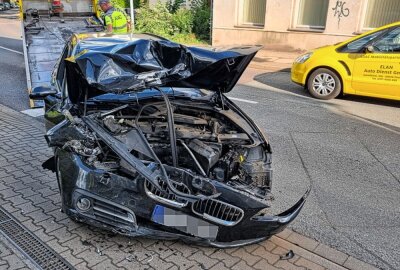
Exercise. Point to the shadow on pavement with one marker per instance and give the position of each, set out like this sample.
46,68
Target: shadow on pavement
11,43
371,100
281,80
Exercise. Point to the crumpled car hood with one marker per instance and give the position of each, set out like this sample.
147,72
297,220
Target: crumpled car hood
117,67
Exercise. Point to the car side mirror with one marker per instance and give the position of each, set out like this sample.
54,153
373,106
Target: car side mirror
41,92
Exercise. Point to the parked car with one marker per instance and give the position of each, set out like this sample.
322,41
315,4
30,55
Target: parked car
366,65
2,7
7,6
147,144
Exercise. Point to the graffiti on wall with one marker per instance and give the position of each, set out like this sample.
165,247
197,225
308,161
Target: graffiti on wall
340,10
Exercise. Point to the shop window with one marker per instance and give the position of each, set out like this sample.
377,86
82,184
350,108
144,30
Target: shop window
253,12
312,14
381,12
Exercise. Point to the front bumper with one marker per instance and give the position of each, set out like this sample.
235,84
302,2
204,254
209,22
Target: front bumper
298,73
121,205
119,219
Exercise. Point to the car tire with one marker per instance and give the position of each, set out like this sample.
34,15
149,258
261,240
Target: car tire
324,84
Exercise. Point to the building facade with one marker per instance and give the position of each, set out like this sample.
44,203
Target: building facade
297,24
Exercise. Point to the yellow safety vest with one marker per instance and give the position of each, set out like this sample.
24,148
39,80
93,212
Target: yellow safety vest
118,19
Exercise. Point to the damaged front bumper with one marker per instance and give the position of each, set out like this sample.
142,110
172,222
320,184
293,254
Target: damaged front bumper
118,204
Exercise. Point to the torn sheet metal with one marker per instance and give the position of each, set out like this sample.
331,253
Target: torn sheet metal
102,66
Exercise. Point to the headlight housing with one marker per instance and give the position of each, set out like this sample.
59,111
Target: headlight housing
303,58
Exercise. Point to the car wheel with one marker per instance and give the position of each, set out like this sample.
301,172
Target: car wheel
324,84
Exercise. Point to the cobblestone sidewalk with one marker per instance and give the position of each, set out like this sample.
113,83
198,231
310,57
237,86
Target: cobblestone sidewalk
30,195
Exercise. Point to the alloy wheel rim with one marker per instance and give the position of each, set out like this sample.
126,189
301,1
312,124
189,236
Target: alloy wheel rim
323,84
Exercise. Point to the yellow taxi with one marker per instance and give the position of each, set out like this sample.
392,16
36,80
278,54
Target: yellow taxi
367,65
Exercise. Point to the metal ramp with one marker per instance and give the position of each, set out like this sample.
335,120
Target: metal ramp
44,43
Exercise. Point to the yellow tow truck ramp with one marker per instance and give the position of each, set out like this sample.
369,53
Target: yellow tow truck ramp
46,27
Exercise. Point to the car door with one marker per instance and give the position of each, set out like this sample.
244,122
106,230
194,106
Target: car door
377,71
53,104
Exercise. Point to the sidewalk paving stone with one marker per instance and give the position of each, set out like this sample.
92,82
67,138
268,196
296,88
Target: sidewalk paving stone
331,254
305,242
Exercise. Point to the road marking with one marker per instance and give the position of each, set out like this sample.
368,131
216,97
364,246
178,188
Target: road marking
244,100
11,50
34,112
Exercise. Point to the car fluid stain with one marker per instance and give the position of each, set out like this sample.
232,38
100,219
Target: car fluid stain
86,243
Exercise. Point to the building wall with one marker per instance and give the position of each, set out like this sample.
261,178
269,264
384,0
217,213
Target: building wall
280,30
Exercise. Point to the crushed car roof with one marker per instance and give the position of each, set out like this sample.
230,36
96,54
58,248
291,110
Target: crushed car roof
125,63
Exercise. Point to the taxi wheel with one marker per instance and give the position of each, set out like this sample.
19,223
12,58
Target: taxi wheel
324,84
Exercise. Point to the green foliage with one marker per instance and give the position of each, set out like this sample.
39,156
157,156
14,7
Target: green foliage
202,18
182,21
125,3
140,3
187,39
174,5
156,20
175,23
120,3
202,4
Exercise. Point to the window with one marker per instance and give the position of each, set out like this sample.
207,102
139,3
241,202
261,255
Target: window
381,12
253,12
312,13
358,44
390,42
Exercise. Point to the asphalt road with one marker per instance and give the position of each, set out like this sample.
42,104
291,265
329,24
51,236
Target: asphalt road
12,69
351,162
347,149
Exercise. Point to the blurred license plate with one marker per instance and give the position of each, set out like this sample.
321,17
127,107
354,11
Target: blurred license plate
184,223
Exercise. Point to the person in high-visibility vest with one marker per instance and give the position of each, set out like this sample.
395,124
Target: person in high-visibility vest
115,20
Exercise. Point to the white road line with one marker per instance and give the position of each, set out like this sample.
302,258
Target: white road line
244,100
34,112
7,49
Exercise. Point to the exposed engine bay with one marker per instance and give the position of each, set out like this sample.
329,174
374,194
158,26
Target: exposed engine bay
208,144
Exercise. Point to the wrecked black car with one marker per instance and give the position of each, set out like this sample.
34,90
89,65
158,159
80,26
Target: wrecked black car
147,144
